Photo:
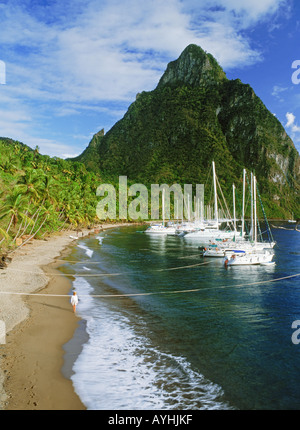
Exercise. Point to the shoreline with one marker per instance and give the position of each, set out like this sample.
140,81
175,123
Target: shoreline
34,351
33,374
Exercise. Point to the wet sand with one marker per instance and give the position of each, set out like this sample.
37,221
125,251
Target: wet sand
35,356
33,372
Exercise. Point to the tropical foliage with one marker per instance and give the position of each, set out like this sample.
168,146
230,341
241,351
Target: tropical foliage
40,195
170,136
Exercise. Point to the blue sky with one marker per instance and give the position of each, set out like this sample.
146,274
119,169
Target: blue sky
73,67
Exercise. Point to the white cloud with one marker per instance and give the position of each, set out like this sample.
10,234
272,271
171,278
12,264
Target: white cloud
246,13
290,119
66,56
295,129
277,91
254,9
104,53
226,45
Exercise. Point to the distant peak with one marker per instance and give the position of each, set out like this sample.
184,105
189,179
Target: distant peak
193,50
100,133
193,67
96,139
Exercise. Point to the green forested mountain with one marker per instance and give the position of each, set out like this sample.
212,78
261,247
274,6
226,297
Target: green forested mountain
196,115
91,156
40,195
169,135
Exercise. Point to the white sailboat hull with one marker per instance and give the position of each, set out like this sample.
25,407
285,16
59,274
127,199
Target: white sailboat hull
160,230
210,234
247,259
222,248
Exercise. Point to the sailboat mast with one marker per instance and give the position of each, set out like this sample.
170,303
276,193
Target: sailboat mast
254,209
163,206
234,215
215,191
252,227
243,209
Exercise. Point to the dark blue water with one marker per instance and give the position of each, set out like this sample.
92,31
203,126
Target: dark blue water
154,344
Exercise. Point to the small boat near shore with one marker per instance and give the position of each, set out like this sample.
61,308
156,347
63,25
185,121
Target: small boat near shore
292,220
249,258
160,229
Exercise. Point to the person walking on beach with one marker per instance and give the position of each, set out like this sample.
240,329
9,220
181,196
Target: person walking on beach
74,301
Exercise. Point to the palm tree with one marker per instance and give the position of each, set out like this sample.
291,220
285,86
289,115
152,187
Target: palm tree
12,209
4,234
32,183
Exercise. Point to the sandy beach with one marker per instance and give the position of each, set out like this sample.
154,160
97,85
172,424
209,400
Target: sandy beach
37,327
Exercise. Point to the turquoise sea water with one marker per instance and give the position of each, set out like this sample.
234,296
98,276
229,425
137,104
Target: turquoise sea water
155,344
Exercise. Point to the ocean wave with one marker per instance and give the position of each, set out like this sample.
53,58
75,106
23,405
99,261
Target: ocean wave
120,369
100,239
87,250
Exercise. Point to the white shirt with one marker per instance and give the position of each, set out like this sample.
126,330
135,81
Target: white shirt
74,300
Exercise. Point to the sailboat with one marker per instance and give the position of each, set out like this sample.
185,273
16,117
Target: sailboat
263,258
205,233
220,249
292,220
161,229
254,252
186,226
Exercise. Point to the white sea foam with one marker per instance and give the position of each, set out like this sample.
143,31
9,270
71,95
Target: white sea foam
100,239
119,367
88,251
84,290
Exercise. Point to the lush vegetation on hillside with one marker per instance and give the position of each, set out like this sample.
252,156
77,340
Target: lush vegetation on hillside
169,136
196,116
40,195
172,135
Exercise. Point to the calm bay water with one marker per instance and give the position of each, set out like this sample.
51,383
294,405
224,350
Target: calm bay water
226,345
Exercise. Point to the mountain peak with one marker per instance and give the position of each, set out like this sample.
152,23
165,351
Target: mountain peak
193,67
196,115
